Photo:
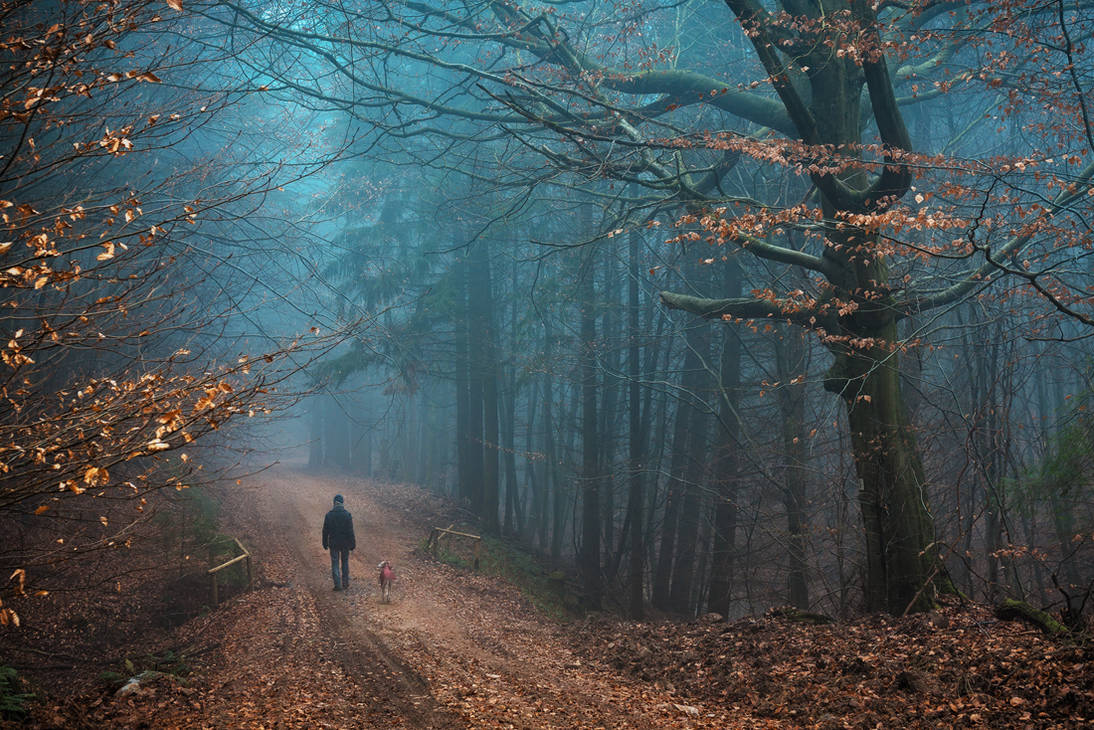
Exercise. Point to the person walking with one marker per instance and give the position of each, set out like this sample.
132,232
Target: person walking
339,539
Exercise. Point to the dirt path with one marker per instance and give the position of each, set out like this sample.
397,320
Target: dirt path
453,649
457,649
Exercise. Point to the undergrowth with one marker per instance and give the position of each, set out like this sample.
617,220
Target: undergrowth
545,588
13,699
148,666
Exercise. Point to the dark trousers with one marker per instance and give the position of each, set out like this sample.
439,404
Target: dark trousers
339,556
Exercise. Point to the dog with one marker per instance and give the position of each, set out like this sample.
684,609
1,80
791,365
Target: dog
387,577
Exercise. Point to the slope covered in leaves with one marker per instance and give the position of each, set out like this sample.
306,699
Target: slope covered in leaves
959,666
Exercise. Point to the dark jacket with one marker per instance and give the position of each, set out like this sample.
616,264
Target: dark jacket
338,530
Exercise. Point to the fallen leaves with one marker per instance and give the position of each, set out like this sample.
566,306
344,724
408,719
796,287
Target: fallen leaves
96,476
940,669
484,658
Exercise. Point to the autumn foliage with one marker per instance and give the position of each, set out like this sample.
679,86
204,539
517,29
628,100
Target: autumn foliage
109,309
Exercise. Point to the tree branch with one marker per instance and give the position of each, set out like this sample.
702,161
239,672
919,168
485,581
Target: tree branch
738,308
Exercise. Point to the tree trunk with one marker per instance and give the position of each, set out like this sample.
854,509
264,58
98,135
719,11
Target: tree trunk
677,480
683,569
725,465
590,464
789,363
315,433
551,482
484,357
514,518
899,533
636,454
472,436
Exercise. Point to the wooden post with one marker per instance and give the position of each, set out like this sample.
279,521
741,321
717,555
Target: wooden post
245,556
245,551
213,575
439,532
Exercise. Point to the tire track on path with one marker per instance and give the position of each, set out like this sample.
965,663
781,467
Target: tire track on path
454,649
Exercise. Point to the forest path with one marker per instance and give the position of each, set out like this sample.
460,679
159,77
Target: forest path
453,648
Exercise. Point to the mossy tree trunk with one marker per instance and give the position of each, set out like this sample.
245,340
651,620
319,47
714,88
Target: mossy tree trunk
899,530
823,96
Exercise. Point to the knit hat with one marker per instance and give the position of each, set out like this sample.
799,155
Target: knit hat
338,499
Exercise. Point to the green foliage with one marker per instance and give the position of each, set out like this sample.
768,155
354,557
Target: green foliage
546,589
13,699
222,549
191,544
403,350
202,512
196,525
1011,610
1070,463
111,678
1066,468
147,667
169,662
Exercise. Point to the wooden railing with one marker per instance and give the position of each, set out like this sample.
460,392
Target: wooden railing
244,556
439,532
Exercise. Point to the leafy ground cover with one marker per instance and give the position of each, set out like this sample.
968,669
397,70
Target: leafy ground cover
460,649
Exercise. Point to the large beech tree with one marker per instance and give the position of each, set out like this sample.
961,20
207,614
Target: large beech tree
674,99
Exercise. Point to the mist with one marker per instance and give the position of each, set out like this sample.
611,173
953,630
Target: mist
706,308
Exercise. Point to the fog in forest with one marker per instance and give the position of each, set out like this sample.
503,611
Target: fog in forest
712,307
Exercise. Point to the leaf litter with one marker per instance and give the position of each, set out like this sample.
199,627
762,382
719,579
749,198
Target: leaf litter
459,649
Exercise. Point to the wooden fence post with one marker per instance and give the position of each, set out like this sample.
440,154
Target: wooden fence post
245,557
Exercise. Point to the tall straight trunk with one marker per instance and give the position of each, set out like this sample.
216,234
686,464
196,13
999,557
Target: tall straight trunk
676,483
423,464
514,510
590,463
473,481
550,475
315,433
967,500
996,503
513,518
537,503
683,569
462,382
463,420
637,445
789,363
484,354
606,438
666,551
608,410
368,453
507,426
724,475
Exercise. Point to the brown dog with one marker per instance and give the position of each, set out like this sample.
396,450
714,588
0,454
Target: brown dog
387,577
